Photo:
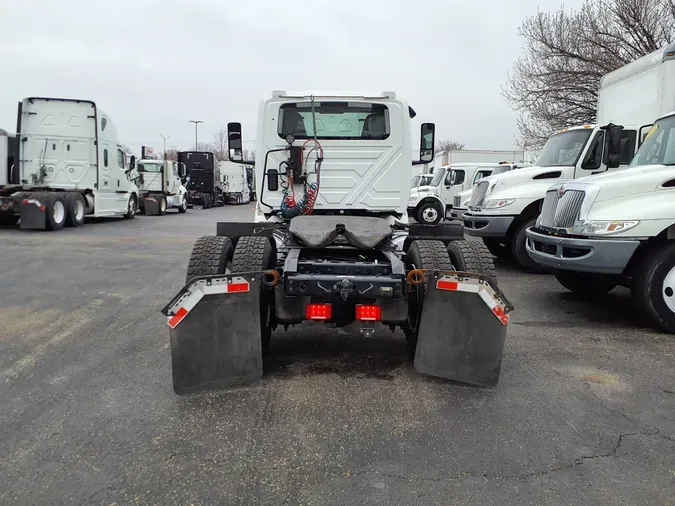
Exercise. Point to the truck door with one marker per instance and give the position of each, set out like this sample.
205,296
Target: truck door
454,181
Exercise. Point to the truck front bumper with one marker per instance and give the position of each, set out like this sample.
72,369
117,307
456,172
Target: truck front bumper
479,225
605,256
457,213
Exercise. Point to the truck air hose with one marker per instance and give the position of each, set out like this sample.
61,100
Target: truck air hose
290,208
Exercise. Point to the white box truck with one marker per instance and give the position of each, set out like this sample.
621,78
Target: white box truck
70,164
234,181
503,207
618,229
431,203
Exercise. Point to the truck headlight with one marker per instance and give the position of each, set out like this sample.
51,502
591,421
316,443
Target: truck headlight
496,204
607,227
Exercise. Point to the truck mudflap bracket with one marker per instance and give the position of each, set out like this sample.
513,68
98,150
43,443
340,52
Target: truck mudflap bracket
215,332
33,214
462,328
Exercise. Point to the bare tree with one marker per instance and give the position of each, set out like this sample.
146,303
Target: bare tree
219,145
171,154
555,83
446,146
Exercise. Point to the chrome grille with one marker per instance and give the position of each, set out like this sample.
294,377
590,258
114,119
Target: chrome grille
561,211
548,209
457,201
478,194
567,210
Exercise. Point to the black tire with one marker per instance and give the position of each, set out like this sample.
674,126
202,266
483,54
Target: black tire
421,255
184,206
586,283
210,256
472,256
75,209
650,291
132,206
255,254
8,219
496,247
55,211
429,213
520,253
205,202
161,203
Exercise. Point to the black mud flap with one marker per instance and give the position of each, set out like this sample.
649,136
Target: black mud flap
33,214
151,206
462,329
214,326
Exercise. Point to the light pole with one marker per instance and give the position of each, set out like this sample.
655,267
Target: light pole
164,138
196,122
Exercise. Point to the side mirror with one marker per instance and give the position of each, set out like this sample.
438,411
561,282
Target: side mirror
132,163
612,157
427,140
181,170
234,142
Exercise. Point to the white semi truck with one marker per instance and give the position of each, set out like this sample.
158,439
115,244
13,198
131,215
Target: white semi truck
235,184
431,203
160,186
331,244
70,164
503,207
602,231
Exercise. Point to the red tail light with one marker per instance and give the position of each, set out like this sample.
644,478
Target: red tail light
318,312
368,313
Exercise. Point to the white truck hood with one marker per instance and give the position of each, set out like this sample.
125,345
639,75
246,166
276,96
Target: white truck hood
502,183
632,181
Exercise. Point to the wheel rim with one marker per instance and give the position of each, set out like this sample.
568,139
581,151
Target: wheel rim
668,289
79,210
58,211
430,214
162,205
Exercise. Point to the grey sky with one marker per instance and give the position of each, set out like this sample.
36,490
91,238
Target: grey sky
153,65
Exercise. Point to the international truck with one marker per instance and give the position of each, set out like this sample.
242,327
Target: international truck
504,207
235,182
618,229
160,186
70,164
330,244
431,203
203,181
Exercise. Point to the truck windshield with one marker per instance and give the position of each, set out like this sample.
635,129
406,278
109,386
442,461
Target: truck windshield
415,181
658,148
425,180
150,167
564,148
438,177
334,120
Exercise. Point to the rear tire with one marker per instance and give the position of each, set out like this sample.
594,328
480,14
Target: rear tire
654,287
210,256
472,256
586,283
255,254
205,202
496,247
56,211
429,213
421,255
520,253
183,206
74,203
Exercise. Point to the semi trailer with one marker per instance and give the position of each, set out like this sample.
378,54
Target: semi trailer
202,178
70,164
330,244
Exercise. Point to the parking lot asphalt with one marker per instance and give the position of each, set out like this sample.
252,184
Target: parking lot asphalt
583,413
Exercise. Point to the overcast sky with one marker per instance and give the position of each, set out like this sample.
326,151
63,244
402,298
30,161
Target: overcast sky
153,65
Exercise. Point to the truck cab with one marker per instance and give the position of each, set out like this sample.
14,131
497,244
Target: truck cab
461,200
430,204
160,185
234,181
502,207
